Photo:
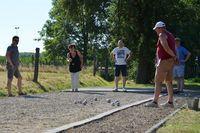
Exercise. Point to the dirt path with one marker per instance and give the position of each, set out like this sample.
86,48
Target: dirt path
37,113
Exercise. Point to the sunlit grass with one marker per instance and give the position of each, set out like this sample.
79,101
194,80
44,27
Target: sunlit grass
186,121
53,79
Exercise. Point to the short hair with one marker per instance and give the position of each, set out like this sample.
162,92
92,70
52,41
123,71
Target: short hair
15,37
120,41
177,39
72,45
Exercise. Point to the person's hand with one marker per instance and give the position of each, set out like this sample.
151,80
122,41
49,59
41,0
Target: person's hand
69,59
176,61
12,66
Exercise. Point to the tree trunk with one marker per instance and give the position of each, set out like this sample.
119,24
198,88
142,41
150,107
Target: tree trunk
144,69
85,50
143,74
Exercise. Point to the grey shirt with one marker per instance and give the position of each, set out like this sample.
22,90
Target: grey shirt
14,54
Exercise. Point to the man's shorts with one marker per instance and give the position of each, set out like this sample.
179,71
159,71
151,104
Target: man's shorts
164,70
122,69
178,71
13,72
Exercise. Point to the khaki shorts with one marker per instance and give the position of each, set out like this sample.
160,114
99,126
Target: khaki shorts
164,71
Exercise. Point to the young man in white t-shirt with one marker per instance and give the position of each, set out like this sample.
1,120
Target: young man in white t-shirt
120,56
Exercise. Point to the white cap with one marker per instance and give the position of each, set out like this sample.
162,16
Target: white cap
159,24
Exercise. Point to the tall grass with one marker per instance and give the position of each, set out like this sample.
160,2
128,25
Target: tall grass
50,79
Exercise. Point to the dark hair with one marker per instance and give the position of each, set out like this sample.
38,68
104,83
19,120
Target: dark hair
71,45
15,37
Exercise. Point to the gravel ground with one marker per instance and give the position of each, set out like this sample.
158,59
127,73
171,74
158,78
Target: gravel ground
136,119
36,113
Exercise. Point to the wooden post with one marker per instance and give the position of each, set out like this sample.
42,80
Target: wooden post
94,62
37,55
193,103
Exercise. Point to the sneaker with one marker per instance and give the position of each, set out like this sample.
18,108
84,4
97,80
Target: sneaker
167,105
124,89
115,90
76,90
152,104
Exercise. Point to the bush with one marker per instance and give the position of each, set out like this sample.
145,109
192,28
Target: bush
132,70
109,77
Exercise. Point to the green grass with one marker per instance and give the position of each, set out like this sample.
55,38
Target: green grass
186,121
193,83
56,79
50,82
53,79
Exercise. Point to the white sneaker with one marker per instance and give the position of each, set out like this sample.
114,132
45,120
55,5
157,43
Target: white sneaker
152,104
124,89
115,90
167,105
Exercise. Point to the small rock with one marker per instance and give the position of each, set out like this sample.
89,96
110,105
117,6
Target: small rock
118,104
113,104
116,101
95,99
84,102
80,102
108,100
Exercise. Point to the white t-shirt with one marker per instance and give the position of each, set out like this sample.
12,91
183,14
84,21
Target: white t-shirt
120,55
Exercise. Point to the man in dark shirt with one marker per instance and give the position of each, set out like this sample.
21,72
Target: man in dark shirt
12,56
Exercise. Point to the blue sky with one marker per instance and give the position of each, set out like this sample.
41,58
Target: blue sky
29,16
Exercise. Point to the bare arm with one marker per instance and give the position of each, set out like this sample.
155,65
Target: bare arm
8,55
187,57
164,43
128,56
68,58
81,58
112,55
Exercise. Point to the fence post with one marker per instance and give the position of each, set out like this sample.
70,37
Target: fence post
37,55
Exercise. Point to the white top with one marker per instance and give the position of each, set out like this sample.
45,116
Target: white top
120,55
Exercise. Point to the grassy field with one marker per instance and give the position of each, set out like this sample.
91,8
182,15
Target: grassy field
55,79
186,121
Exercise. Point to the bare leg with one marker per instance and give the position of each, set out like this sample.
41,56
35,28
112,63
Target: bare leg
124,82
19,84
116,82
9,83
170,91
178,84
181,84
158,86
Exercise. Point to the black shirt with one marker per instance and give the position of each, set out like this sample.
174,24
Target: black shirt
75,64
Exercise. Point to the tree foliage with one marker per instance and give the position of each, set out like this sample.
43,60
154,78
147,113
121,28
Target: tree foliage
97,24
